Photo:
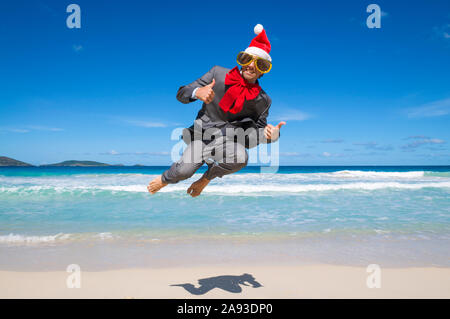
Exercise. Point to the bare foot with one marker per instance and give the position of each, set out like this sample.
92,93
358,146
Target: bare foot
196,188
155,185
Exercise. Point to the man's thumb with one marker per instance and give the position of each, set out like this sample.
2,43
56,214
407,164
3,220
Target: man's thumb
212,83
281,124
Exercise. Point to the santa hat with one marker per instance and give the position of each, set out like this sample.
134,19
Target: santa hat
260,45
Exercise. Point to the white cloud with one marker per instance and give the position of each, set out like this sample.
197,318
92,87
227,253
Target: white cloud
442,31
145,123
291,115
45,128
375,146
139,122
327,154
432,109
17,130
332,141
290,154
419,141
152,153
29,128
113,152
415,137
77,47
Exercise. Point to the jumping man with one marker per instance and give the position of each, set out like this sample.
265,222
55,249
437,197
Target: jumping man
232,99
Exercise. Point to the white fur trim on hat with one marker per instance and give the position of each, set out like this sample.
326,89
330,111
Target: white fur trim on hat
258,52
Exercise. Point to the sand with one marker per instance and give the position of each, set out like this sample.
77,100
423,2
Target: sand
278,281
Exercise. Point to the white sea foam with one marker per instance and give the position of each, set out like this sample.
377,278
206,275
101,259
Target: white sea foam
58,238
295,188
121,179
231,189
106,235
24,239
230,184
345,175
373,174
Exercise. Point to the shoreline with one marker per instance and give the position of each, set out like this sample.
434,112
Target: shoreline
277,281
109,255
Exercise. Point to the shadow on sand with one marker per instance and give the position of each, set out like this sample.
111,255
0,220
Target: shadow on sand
227,283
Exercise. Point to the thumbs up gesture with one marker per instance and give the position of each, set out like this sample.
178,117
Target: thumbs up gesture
273,132
206,93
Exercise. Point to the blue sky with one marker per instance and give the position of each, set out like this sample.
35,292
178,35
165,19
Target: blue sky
350,95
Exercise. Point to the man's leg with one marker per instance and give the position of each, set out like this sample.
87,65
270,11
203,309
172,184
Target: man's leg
185,167
229,157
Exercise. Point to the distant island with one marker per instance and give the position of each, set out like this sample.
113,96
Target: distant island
6,161
77,163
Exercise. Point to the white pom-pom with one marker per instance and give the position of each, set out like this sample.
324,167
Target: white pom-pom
258,28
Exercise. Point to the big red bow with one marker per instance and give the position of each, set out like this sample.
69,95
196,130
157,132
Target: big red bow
238,93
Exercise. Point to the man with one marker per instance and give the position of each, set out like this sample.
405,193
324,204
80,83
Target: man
232,99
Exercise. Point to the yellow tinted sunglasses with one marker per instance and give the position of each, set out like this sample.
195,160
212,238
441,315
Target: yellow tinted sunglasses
262,65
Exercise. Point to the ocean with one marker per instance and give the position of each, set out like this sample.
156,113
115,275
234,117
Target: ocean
103,217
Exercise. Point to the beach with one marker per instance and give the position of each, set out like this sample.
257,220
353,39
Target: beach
278,281
305,232
302,152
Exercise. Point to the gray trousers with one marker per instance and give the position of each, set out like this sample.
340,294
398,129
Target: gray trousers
222,155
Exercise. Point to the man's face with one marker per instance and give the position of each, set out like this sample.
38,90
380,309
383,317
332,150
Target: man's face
250,73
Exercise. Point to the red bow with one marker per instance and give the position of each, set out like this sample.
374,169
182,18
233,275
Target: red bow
238,93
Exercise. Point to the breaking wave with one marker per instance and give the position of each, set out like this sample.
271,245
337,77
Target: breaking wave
232,189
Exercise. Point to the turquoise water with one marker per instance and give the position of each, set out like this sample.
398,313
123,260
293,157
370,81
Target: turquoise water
317,208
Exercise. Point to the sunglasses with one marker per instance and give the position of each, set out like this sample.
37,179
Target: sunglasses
261,64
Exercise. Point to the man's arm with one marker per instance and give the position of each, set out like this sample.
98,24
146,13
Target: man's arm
185,93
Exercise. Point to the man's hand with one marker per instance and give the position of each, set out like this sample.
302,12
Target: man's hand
206,93
273,132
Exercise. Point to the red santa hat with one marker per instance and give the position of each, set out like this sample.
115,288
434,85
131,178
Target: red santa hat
260,45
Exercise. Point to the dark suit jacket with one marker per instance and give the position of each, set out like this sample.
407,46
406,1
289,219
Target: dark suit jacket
254,112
